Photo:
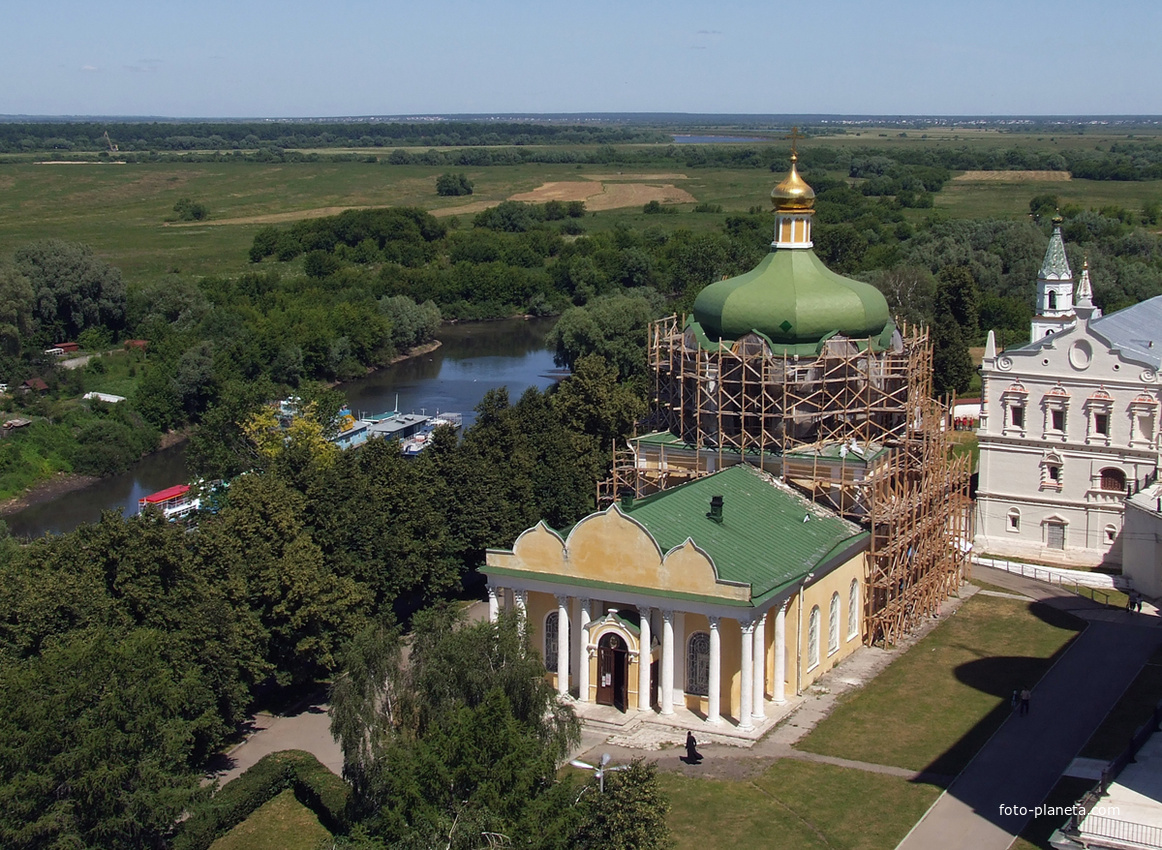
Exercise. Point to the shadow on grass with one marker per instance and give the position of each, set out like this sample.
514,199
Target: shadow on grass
1000,676
1015,765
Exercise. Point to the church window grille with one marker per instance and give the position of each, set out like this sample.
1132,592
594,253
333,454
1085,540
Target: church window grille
833,626
698,664
853,609
551,622
1101,424
1017,415
1057,420
813,639
1113,480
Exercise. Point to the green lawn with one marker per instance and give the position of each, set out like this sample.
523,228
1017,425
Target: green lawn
795,804
281,824
936,705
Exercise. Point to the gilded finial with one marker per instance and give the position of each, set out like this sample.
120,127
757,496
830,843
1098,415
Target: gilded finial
793,193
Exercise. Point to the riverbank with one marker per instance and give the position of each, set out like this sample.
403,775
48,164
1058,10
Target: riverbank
47,490
68,482
61,483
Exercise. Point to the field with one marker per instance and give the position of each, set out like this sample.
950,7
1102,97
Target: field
122,211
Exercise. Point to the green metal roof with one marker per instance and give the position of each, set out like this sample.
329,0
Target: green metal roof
762,540
793,300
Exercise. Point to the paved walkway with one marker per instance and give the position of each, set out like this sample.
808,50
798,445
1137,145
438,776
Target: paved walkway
1022,762
306,727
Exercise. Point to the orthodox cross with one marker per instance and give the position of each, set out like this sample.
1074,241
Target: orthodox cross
795,137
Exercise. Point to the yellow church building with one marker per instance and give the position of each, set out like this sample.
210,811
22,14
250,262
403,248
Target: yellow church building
716,596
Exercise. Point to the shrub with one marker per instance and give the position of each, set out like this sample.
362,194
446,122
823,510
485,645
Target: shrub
314,786
189,210
451,185
655,208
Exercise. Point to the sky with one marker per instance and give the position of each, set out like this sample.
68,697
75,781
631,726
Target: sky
262,59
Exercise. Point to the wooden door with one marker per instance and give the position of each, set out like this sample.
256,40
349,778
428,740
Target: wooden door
620,677
605,665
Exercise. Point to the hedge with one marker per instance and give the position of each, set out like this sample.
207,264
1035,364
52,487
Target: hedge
314,786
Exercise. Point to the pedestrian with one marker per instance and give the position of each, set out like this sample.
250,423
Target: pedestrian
1137,602
1025,701
1130,601
692,754
1013,700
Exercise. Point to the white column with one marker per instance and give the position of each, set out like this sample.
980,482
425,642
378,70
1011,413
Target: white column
760,667
713,693
583,653
746,692
779,689
493,604
666,699
520,604
680,659
643,662
563,645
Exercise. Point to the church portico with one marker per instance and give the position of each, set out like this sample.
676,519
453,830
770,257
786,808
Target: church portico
667,627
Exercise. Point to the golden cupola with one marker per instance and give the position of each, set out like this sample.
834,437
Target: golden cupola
793,193
794,202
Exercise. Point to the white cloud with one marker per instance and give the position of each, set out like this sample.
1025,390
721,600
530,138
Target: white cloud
89,68
144,66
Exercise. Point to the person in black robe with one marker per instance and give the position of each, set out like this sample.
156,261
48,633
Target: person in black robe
692,754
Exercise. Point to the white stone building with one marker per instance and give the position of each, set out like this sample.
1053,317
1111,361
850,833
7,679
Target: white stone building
1069,425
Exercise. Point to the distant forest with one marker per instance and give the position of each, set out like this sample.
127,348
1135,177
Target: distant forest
18,138
468,144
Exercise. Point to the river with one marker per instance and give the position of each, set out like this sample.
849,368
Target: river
473,358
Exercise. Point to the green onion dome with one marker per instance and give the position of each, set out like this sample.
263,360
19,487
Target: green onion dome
792,299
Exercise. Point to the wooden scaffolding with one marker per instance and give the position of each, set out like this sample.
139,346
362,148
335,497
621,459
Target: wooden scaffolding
853,425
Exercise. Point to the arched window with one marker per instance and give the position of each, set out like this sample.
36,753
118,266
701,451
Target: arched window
853,609
698,664
1113,479
1014,519
1111,534
833,626
1052,300
813,639
551,622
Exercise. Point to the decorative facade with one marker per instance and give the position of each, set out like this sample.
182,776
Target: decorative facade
1068,429
717,597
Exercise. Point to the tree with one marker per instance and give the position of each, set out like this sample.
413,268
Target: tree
74,290
613,326
16,308
271,563
952,368
189,210
629,815
595,406
469,733
451,185
98,733
910,292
